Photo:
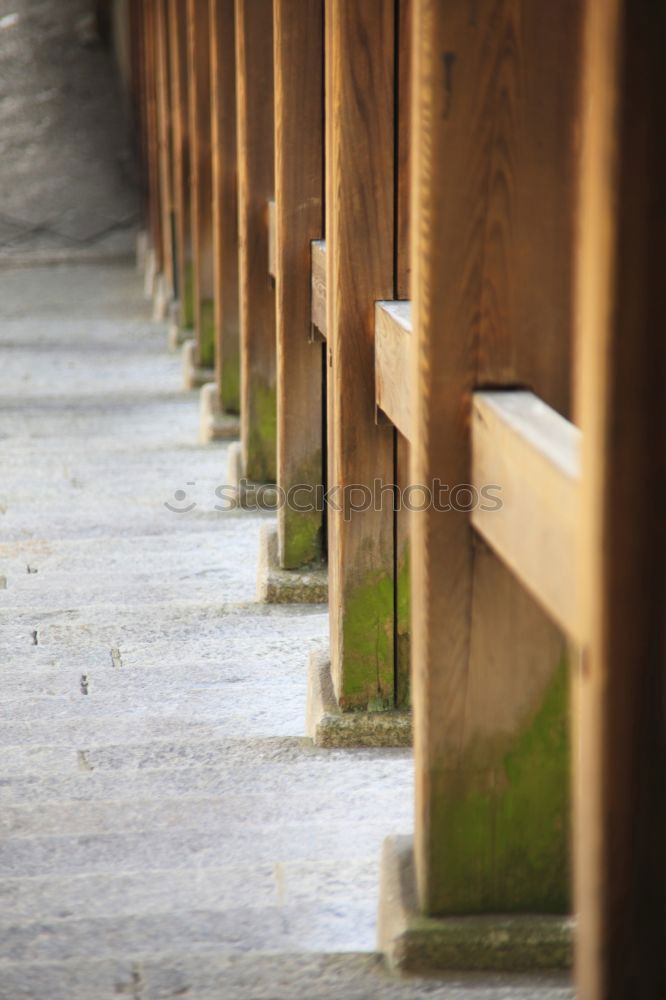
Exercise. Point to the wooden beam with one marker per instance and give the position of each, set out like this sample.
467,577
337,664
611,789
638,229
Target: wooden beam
393,337
225,204
526,478
272,266
621,686
254,109
359,172
318,291
201,180
298,219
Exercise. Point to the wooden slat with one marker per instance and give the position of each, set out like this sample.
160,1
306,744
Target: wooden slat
527,455
298,218
272,266
359,172
318,268
621,404
393,329
488,666
201,180
225,204
254,107
181,159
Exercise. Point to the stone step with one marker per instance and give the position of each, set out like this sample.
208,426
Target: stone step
164,975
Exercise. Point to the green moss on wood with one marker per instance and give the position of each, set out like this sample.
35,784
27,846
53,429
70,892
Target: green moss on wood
206,333
261,465
403,631
230,382
500,820
187,300
367,645
303,530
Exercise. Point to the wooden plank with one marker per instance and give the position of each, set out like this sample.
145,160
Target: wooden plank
621,404
225,204
272,266
254,107
393,340
359,239
488,667
526,478
298,209
201,166
181,160
164,141
318,290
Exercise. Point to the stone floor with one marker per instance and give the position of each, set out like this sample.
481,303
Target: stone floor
166,831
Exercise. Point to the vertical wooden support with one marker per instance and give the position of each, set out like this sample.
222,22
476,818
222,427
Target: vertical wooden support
181,160
492,242
201,173
152,141
359,234
299,165
225,203
621,805
164,140
254,101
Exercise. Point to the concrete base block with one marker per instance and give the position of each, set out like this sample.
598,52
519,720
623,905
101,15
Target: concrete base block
161,300
193,376
411,942
327,726
150,274
141,250
176,335
251,496
214,425
287,586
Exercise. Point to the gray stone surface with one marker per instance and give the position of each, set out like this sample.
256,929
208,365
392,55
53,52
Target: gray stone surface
287,586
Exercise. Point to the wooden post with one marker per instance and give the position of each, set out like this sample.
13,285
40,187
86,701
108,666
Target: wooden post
225,203
299,165
152,143
201,167
621,805
181,161
164,141
359,234
492,235
254,101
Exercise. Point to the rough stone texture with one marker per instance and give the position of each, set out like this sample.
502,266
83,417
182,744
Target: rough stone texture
413,943
214,425
248,495
193,376
327,726
287,586
68,175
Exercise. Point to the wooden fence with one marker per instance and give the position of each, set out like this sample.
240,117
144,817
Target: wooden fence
413,243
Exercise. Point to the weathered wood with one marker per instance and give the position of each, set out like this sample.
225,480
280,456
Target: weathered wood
299,180
178,36
621,405
201,175
318,287
163,109
489,678
272,223
393,340
359,239
254,104
403,146
152,141
225,203
526,482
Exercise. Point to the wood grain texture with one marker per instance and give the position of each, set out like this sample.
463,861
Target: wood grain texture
201,167
163,108
225,203
403,146
272,236
621,406
152,133
255,124
299,180
393,346
471,80
359,239
318,288
180,156
528,456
